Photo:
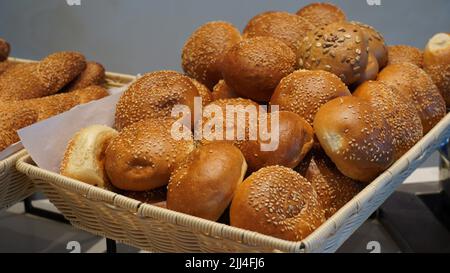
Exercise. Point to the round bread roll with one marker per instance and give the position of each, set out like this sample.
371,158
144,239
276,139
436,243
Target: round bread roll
437,63
144,154
279,202
205,182
415,84
333,189
376,43
304,92
255,66
322,14
153,96
223,91
5,49
287,27
85,155
204,92
398,54
294,140
339,48
203,52
371,71
356,137
399,112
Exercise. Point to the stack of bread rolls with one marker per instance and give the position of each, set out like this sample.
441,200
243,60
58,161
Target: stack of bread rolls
345,105
46,88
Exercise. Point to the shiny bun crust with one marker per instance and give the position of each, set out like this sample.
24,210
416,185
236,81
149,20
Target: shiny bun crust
340,48
153,96
322,14
279,202
205,182
84,156
416,84
356,137
204,50
295,140
376,43
144,154
287,27
398,54
371,71
304,92
255,66
399,112
5,49
223,91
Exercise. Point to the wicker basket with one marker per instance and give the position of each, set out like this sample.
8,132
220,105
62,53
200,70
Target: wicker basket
15,186
159,230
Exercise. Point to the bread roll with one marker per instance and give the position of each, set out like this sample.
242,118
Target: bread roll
35,80
398,54
279,202
153,96
5,65
437,63
93,74
204,50
144,154
287,27
399,112
223,91
85,155
415,83
356,137
204,92
255,66
376,43
322,14
340,48
5,49
13,118
295,139
205,182
371,71
304,92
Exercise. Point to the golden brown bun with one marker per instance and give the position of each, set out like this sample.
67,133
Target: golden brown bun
279,202
339,48
47,77
295,140
155,197
223,91
13,118
5,65
255,66
333,189
356,137
204,92
399,112
93,74
437,63
287,27
153,96
144,154
322,14
371,71
415,83
398,54
85,155
376,43
304,91
205,182
5,49
204,50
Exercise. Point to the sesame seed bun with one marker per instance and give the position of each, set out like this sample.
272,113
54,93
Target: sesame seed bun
223,91
153,96
144,154
322,14
304,92
255,66
413,82
399,112
205,182
203,91
356,137
398,54
287,27
371,71
5,65
279,202
13,118
93,74
340,48
204,50
5,49
376,43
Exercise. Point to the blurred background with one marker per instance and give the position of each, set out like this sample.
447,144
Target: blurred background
137,36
